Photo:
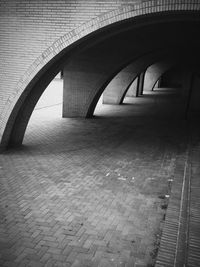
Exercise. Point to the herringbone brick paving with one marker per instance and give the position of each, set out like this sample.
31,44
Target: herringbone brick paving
88,192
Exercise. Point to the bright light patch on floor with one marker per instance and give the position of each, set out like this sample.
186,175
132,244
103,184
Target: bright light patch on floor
52,95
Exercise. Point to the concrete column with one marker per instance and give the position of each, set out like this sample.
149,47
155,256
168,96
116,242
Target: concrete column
159,83
140,86
132,91
82,80
74,99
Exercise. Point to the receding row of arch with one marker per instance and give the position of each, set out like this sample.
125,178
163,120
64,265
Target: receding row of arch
109,61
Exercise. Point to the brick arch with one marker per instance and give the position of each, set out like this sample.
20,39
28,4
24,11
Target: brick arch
55,51
155,71
115,93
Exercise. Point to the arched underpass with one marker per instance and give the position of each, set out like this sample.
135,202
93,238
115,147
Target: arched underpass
90,65
95,192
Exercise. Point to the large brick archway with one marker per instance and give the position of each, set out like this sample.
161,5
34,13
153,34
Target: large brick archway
22,99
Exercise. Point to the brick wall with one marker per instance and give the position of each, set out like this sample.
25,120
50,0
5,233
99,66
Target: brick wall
28,28
32,32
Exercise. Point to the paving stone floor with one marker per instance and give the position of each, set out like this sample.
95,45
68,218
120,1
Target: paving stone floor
90,192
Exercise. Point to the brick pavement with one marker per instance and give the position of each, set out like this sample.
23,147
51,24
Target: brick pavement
180,240
193,228
90,192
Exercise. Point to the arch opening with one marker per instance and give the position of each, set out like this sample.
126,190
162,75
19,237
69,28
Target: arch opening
93,61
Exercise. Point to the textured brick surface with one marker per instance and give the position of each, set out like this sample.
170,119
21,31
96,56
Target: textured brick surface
180,240
90,192
193,237
32,33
